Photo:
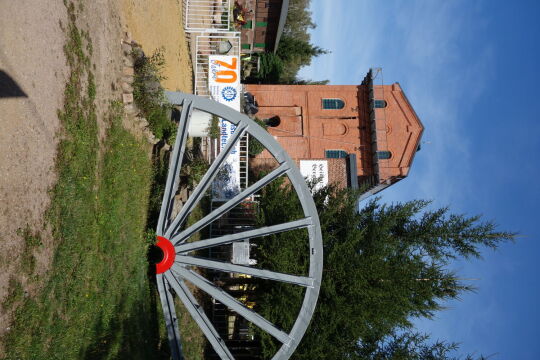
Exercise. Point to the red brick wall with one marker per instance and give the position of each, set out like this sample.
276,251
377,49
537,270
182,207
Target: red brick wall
337,172
400,131
307,130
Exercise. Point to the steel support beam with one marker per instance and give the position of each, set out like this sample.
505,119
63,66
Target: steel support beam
247,270
255,233
233,304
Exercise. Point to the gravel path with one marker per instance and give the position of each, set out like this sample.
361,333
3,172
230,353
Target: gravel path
31,53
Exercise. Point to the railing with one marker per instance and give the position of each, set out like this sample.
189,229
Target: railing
219,44
378,118
212,44
212,19
207,15
244,161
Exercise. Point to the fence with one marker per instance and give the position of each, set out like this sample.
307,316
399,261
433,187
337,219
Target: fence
207,15
218,44
212,44
233,328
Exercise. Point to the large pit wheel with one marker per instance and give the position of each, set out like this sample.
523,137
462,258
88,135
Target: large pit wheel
179,265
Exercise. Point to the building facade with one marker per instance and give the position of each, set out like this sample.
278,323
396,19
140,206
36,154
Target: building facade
369,130
264,22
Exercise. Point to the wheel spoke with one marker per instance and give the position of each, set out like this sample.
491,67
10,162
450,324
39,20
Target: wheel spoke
233,268
274,229
204,183
229,204
169,313
175,165
176,278
197,313
231,303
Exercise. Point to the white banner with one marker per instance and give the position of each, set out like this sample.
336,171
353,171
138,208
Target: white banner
315,170
224,79
224,85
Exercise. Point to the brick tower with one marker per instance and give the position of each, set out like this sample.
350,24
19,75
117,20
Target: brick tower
365,135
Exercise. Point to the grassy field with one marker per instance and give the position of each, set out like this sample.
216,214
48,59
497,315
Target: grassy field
98,301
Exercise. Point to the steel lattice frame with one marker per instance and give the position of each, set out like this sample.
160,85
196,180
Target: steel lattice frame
179,263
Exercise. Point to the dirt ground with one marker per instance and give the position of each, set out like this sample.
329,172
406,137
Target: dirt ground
164,18
31,54
29,125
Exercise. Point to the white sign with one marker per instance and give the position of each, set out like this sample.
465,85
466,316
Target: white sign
225,88
315,170
224,80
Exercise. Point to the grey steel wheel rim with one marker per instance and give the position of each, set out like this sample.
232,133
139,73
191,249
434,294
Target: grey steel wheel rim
173,279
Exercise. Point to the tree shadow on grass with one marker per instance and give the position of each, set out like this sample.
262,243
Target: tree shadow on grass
137,336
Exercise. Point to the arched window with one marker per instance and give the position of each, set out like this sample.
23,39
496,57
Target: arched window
380,104
335,154
384,155
333,104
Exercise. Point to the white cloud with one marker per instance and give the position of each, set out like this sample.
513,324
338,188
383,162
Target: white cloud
427,46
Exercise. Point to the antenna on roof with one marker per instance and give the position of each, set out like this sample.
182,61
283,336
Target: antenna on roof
422,143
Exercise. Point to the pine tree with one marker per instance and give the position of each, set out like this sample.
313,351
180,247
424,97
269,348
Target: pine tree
383,266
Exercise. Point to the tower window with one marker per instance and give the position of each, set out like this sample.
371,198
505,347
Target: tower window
333,104
335,154
380,104
384,155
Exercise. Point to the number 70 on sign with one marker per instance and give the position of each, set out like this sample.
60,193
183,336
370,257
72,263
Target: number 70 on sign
224,69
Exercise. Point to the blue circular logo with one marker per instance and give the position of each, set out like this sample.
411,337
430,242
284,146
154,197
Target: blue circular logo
228,93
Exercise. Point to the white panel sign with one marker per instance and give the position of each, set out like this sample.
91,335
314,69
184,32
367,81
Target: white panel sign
224,80
224,85
315,170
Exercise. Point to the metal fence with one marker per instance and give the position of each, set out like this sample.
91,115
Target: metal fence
212,44
207,15
232,328
244,161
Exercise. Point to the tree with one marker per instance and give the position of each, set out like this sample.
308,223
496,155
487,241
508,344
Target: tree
383,266
271,68
296,53
299,20
412,346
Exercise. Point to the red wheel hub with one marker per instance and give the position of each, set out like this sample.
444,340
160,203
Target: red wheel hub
168,255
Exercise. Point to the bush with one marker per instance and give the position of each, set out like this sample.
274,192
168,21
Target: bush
147,90
149,95
271,68
213,129
255,147
161,124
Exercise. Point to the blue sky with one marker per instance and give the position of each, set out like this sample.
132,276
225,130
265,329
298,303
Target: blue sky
471,70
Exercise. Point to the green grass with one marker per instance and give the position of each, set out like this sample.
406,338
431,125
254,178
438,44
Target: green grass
191,336
97,301
31,240
15,294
